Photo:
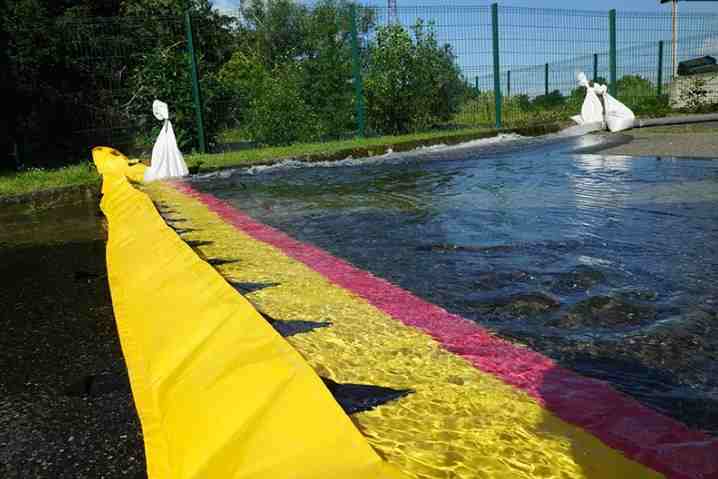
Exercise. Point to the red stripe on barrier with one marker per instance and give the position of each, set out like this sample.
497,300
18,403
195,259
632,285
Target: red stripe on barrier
644,435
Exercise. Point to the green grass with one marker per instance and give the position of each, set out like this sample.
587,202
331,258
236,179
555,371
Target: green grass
33,180
13,184
18,183
374,146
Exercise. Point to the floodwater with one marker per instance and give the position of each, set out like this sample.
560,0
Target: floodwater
607,264
57,330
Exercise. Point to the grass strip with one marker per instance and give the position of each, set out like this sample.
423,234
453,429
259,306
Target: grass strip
37,179
335,150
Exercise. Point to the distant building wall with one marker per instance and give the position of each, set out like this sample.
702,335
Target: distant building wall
682,85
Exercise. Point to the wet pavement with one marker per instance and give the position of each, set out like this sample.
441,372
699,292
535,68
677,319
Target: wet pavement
698,140
65,406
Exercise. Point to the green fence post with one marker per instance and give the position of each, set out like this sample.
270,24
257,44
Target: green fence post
196,92
476,84
659,80
612,52
508,84
545,79
497,69
595,67
356,71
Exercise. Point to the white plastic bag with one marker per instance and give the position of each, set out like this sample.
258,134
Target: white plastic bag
618,116
167,160
591,110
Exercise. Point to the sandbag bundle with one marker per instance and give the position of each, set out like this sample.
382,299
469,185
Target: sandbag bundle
167,159
610,113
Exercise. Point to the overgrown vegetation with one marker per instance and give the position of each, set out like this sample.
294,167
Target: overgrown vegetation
86,72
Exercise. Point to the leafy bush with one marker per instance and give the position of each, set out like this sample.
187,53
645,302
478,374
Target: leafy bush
410,83
327,68
243,77
278,114
163,74
309,48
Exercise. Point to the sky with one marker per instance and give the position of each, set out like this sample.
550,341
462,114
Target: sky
632,5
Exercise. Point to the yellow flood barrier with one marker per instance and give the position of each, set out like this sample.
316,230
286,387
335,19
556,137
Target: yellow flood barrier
460,422
219,393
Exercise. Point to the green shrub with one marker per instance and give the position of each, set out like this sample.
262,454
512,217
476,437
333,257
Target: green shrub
410,83
242,77
278,114
163,74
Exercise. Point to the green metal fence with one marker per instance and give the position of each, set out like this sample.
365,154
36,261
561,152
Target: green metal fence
508,66
519,65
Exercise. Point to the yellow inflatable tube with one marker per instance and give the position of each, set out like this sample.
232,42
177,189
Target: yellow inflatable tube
219,393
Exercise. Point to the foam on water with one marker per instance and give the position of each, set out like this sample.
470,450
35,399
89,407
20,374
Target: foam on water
389,156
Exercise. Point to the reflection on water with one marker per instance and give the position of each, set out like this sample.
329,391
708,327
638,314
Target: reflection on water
607,264
28,223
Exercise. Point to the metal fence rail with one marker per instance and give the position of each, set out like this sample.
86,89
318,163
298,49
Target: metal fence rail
516,66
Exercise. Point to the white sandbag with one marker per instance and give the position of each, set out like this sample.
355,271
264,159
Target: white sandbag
618,116
592,109
167,160
582,80
161,110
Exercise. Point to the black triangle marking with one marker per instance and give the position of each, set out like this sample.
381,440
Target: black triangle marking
181,231
221,261
249,288
196,243
355,398
291,327
288,328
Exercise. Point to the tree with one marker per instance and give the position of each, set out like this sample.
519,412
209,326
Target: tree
410,83
280,36
38,76
85,66
274,29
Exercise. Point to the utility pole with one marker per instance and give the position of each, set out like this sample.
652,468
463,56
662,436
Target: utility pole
674,46
392,11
